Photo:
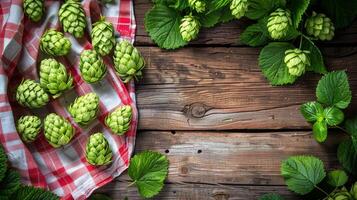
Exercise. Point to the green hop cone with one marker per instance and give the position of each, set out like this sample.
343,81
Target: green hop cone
103,37
353,190
31,94
54,77
198,5
341,194
189,27
98,151
92,66
296,60
34,9
239,8
119,120
320,26
278,23
54,43
58,131
84,108
128,61
72,17
28,127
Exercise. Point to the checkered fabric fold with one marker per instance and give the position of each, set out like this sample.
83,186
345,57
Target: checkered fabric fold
64,170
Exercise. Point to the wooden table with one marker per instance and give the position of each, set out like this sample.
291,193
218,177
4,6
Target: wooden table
224,129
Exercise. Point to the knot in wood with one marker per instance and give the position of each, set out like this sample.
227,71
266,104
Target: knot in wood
195,110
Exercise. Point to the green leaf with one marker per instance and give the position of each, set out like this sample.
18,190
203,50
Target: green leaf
298,8
271,61
333,116
9,184
32,193
210,19
342,12
319,130
271,196
312,111
337,178
148,170
347,156
333,90
258,8
3,163
217,4
351,128
291,34
162,23
316,59
302,173
99,197
226,15
181,4
256,34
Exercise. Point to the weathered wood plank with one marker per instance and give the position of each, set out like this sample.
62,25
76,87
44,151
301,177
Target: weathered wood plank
231,157
118,190
223,88
226,34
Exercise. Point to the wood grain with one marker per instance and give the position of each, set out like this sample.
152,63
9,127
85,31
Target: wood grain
226,34
223,88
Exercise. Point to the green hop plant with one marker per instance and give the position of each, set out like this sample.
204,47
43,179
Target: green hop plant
92,66
128,62
103,37
278,23
189,28
84,109
119,120
28,127
72,17
58,131
198,5
353,191
320,26
34,9
341,194
54,77
239,8
296,60
98,151
31,94
54,43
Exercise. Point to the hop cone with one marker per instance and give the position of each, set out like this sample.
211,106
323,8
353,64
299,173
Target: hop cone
72,17
278,23
54,43
189,28
127,61
103,37
340,195
239,8
84,108
30,94
320,26
92,66
28,127
354,190
296,60
54,77
98,151
34,9
58,131
198,5
119,120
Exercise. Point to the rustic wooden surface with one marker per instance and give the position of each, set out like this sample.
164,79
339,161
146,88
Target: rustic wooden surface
224,129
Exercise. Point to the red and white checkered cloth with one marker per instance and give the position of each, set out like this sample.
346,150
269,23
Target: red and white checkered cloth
64,170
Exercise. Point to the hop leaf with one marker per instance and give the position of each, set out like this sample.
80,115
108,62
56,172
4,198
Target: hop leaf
32,193
3,163
9,184
148,170
337,178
